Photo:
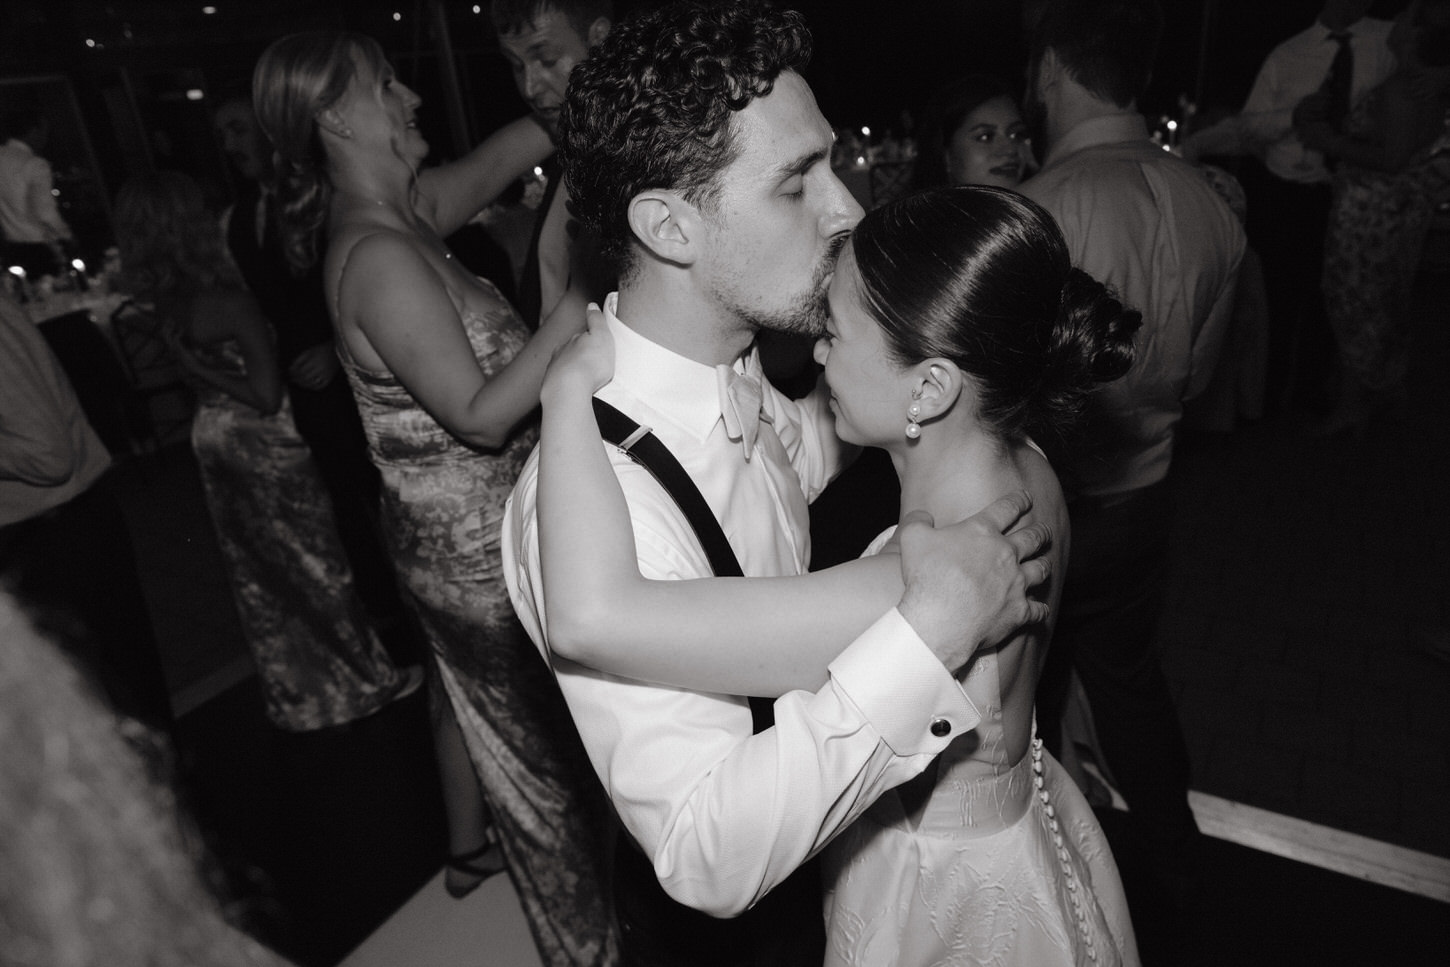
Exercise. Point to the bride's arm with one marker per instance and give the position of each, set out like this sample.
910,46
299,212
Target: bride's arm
738,636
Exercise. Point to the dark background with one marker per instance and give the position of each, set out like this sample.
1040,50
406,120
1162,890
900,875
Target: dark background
114,76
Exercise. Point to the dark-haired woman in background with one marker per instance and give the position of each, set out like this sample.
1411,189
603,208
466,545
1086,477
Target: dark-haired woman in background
959,331
973,133
318,659
446,377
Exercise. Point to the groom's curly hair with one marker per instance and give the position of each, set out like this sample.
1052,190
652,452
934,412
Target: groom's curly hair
651,107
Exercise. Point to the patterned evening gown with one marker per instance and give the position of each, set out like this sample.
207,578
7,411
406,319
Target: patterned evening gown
1377,227
979,861
318,659
443,505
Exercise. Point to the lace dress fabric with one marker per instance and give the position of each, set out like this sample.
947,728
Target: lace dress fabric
443,505
318,659
979,861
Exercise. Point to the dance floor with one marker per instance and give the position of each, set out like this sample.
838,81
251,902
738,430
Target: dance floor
334,845
1303,572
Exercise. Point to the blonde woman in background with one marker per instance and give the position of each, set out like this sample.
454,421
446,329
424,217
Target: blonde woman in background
446,377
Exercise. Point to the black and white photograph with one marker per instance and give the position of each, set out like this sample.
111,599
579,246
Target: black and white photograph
724,483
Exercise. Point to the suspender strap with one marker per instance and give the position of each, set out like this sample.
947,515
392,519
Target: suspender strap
645,449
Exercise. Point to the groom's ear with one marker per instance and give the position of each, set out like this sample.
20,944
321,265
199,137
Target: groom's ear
666,225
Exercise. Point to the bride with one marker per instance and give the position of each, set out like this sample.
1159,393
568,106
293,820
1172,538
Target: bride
959,333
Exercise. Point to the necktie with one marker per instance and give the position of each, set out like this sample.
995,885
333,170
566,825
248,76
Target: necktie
740,398
1340,78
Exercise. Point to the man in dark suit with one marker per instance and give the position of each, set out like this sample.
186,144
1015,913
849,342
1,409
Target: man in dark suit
542,40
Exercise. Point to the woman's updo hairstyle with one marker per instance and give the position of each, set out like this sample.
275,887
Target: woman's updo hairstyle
981,276
297,78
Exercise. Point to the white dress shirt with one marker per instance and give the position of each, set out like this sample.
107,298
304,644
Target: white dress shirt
1150,226
49,454
1294,70
28,211
725,815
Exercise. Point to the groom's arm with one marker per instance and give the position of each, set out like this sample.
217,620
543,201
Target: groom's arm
892,704
725,815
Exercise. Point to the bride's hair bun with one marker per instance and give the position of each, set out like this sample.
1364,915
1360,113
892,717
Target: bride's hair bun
982,276
1092,343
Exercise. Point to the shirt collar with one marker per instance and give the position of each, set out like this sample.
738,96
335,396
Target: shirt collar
1103,129
678,389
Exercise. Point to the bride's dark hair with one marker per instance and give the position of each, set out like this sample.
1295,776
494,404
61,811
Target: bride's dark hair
297,78
981,276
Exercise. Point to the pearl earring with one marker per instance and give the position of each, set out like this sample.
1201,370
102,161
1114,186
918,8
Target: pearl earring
913,428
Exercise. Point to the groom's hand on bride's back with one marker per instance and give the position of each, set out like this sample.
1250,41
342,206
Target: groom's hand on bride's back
967,584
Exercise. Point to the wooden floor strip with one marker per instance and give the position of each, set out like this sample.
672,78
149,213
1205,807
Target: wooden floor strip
1324,847
198,693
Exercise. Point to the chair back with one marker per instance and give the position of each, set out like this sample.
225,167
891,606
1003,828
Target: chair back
138,334
890,180
154,373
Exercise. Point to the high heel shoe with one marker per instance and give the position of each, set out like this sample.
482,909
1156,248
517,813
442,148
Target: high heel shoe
474,866
412,678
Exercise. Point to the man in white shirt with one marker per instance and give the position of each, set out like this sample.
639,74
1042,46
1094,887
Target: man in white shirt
30,222
1287,184
1151,227
726,218
65,549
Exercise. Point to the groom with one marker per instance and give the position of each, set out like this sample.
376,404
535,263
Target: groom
692,145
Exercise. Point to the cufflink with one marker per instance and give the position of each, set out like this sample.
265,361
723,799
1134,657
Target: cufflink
941,728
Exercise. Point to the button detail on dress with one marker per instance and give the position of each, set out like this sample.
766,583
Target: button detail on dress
940,728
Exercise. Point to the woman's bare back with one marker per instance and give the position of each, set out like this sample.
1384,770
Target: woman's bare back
1002,680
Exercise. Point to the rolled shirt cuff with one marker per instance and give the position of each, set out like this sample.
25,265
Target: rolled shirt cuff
903,689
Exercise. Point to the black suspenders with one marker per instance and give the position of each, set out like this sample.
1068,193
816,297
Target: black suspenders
645,449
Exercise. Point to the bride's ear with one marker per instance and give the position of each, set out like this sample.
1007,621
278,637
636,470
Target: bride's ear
939,384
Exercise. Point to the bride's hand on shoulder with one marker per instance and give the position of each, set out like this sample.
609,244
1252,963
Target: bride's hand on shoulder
583,364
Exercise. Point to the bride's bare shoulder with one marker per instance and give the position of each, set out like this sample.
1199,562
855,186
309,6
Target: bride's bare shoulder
1048,503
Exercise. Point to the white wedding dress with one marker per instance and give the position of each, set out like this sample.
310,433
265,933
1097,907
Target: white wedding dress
978,861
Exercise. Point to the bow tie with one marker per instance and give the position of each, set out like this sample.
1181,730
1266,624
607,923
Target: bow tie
741,396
